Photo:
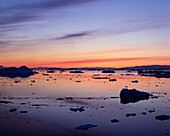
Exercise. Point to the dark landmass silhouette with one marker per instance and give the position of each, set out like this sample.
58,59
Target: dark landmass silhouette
14,72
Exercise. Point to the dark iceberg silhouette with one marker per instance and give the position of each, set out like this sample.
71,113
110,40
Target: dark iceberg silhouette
162,117
13,72
132,96
1,67
155,73
50,71
77,71
108,71
85,127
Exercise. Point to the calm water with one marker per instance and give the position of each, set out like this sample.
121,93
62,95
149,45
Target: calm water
48,111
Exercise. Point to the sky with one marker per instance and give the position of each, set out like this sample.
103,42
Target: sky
84,33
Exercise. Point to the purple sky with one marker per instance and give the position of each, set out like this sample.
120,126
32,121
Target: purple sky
60,32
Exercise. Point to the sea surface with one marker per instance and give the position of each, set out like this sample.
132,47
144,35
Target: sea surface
49,104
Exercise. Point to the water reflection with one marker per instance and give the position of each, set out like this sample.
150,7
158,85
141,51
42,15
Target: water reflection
42,104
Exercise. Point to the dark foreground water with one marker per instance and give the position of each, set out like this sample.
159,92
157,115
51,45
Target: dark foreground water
58,103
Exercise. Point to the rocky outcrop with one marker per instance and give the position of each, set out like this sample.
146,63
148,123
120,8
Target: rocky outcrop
133,95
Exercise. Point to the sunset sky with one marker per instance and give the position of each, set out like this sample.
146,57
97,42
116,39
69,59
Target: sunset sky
84,33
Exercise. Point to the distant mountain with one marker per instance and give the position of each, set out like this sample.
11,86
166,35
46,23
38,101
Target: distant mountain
147,67
81,68
134,68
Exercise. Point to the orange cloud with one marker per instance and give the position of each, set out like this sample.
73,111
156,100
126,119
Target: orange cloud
105,62
97,62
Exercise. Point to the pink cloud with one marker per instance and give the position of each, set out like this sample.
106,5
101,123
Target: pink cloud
103,60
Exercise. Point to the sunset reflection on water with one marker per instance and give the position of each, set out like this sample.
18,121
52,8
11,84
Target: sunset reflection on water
99,97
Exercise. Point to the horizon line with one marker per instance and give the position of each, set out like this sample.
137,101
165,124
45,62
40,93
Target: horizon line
83,67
